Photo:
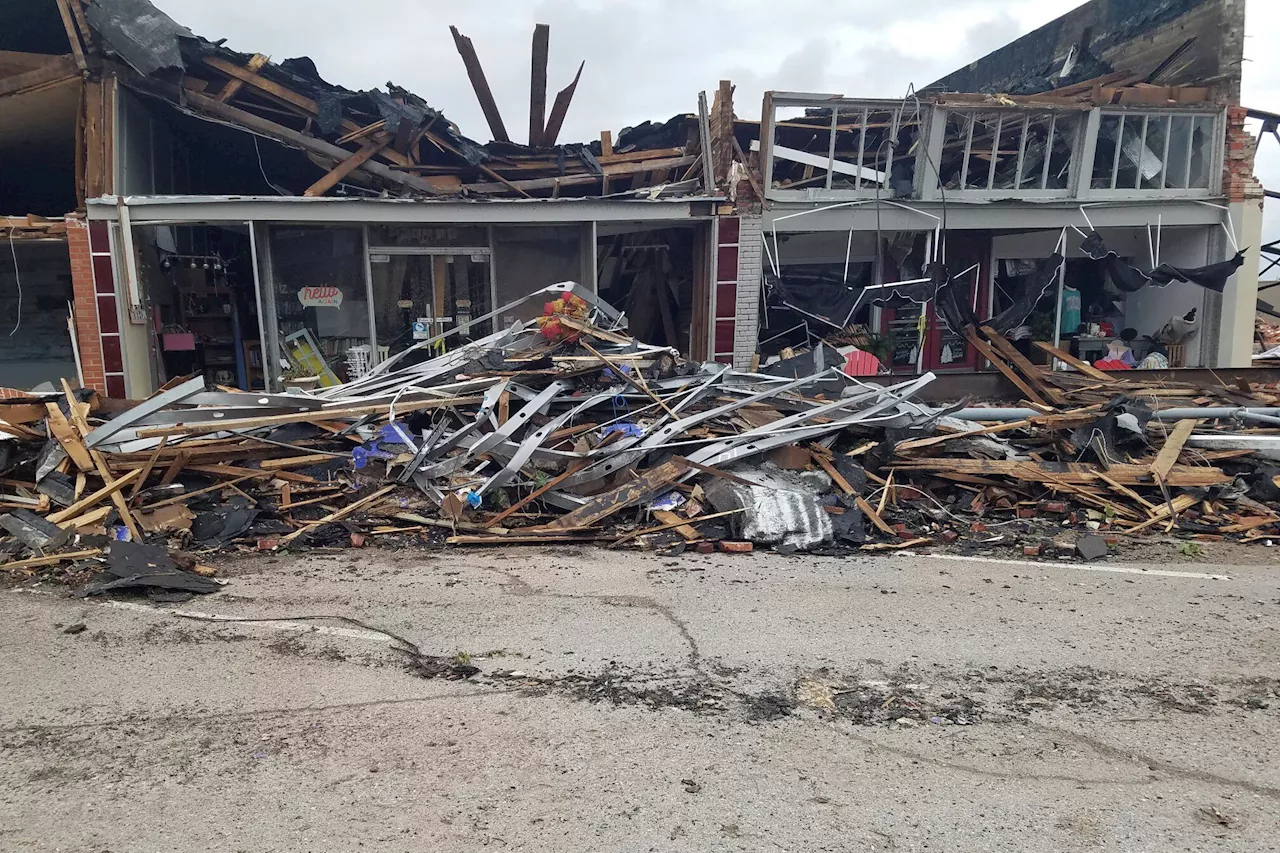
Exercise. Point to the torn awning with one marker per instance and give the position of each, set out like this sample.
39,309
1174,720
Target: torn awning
1130,279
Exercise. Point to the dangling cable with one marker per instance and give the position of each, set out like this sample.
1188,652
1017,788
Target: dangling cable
18,279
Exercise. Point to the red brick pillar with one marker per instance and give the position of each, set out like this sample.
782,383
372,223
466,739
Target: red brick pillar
88,337
1238,181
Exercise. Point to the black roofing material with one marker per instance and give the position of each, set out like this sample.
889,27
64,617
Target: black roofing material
139,33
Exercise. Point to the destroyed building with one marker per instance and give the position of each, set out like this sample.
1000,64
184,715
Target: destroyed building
548,343
1119,122
178,208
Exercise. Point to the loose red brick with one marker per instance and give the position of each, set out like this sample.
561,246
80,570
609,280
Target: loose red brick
1031,550
949,536
357,540
977,527
1026,512
736,547
706,547
1055,507
268,544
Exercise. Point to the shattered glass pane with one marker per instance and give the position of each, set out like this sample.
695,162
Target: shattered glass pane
1006,174
1179,152
980,150
1201,151
1157,135
1131,152
1104,154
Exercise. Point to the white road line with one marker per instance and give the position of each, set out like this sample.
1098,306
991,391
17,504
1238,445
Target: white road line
305,627
1122,570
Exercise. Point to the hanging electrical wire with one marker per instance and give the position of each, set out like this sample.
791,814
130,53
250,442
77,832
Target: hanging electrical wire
17,277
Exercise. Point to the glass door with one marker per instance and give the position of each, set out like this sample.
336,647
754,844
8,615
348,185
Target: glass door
417,296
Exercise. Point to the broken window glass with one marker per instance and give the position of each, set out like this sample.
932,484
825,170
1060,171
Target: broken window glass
1106,152
856,148
1153,151
1201,151
1008,150
1179,159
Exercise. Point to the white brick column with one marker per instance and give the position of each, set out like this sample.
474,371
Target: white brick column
747,310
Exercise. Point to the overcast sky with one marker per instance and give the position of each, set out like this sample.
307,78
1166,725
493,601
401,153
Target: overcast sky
647,59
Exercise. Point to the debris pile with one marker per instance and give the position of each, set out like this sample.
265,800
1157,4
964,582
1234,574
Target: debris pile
566,429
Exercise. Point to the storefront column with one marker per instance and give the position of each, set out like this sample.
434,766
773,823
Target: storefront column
746,330
1240,298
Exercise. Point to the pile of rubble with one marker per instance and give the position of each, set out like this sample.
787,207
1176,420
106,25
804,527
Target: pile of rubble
566,429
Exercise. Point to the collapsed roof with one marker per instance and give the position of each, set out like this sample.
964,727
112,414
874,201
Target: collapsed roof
383,141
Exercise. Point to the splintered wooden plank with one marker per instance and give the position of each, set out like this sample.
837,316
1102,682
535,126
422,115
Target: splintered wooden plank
51,560
73,35
279,93
444,145
1076,474
600,507
146,469
78,411
235,84
1072,361
303,417
1168,454
111,488
55,70
67,438
560,109
484,94
1027,391
340,514
1034,374
676,523
538,84
874,517
672,521
345,168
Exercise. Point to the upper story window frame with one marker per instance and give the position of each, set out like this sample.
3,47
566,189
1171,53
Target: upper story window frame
868,160
1013,125
1143,124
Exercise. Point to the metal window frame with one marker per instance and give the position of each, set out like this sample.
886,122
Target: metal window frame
1127,114
837,104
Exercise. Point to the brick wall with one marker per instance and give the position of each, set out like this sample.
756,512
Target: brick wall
86,304
97,321
1239,183
747,308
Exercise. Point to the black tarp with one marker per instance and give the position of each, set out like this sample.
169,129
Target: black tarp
1130,279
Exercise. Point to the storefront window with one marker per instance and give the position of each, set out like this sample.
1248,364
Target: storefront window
531,257
321,302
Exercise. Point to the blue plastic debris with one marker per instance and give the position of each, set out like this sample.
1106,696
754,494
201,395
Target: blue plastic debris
369,450
669,501
623,427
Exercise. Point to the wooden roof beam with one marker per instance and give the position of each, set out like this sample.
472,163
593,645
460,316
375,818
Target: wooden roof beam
560,109
538,84
484,94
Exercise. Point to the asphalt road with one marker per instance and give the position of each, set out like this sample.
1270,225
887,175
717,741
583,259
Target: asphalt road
633,703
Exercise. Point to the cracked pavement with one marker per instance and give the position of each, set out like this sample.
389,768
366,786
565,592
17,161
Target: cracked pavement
633,702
